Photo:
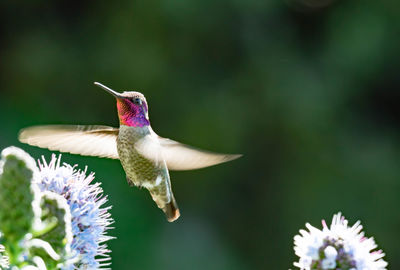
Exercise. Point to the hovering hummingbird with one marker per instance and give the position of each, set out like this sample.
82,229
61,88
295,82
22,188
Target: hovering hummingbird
145,156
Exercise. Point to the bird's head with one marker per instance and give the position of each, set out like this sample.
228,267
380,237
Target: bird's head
132,107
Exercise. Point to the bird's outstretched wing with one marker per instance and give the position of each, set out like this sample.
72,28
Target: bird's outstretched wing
178,156
181,157
76,139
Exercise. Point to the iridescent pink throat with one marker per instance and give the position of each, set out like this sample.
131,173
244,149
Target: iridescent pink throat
131,114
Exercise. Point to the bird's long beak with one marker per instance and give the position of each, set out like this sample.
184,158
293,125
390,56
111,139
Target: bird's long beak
109,90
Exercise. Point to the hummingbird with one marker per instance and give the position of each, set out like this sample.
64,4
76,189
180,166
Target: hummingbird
145,157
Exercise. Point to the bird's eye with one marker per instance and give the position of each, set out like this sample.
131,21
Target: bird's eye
137,101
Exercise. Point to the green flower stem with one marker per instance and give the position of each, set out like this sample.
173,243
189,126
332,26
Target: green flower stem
16,194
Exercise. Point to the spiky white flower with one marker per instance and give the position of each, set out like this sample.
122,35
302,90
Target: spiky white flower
337,247
90,220
4,262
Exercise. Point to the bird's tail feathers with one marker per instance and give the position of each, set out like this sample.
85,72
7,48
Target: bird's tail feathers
166,202
171,210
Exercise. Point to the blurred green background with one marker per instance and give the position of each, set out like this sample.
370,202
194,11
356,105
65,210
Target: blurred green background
307,90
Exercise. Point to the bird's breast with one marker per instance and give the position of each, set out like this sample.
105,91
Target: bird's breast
139,169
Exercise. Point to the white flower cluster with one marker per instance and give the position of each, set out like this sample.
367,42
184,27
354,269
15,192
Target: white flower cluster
337,247
89,219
